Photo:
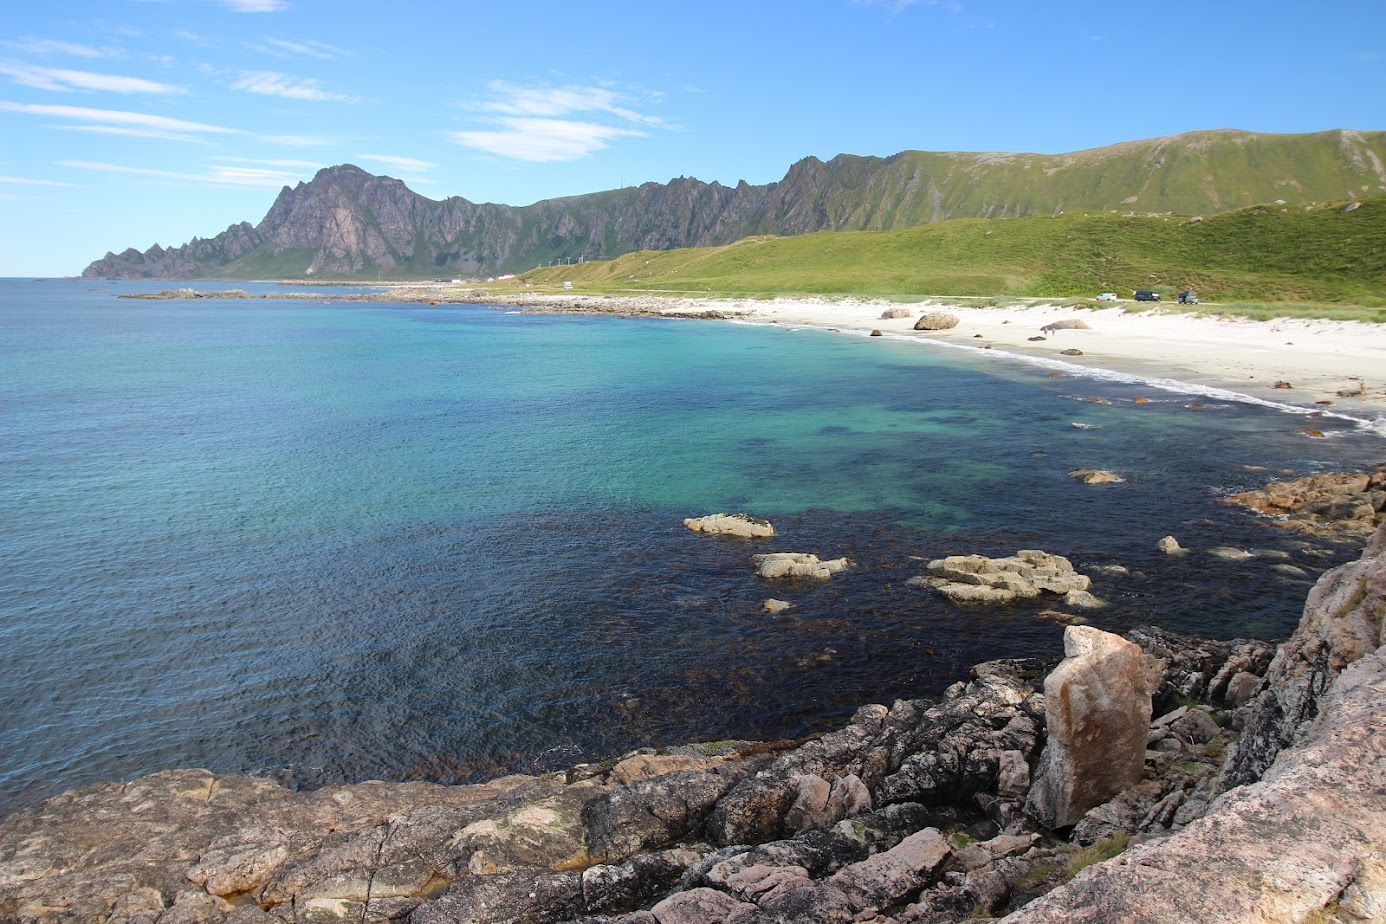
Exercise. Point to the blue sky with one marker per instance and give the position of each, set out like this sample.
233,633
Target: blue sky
130,122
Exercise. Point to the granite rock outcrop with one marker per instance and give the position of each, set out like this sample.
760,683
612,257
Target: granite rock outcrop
731,524
775,565
1022,576
1350,505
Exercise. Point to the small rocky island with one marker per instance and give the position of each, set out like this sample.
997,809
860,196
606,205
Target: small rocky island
1146,778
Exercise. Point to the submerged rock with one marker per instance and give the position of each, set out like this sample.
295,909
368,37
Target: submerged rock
1096,476
1170,546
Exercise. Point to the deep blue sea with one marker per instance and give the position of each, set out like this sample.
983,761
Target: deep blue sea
341,541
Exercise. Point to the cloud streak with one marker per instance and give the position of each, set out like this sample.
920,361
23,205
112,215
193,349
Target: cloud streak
63,80
408,164
37,46
120,122
542,140
528,124
221,175
557,101
305,48
26,181
255,6
273,83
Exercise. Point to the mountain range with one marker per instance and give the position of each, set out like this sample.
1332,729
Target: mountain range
346,223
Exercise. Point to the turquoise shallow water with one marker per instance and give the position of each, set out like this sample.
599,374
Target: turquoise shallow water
343,541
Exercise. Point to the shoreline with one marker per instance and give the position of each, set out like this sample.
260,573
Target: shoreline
1318,358
1330,367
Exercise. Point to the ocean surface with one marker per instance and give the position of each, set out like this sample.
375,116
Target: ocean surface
335,541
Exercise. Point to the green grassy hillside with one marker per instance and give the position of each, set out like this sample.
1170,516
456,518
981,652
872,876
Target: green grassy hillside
1265,254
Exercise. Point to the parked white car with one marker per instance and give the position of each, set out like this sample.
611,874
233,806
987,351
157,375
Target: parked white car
1107,297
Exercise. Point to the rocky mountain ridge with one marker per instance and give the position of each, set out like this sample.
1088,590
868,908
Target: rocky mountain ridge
347,223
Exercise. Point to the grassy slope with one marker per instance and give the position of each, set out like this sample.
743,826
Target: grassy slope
1279,254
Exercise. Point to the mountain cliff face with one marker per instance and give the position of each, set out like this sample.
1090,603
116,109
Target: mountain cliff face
348,223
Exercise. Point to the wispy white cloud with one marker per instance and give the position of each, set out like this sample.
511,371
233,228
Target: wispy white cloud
290,164
63,80
120,122
38,46
526,123
303,48
298,141
542,140
217,174
255,6
550,102
409,164
896,6
272,83
27,181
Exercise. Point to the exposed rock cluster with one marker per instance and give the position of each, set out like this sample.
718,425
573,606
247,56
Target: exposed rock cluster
914,813
1334,504
1022,576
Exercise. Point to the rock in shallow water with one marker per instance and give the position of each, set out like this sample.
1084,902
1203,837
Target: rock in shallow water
1096,476
731,524
797,564
1023,576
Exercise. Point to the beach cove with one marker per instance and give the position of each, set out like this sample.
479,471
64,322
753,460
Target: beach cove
1317,358
404,540
1288,361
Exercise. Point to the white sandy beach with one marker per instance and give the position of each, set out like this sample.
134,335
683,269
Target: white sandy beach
1318,358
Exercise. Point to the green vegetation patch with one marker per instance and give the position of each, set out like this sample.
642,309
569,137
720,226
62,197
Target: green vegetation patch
1258,262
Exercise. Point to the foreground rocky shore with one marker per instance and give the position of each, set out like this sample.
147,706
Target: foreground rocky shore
1231,781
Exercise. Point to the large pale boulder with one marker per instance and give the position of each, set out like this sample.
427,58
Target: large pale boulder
1097,714
936,320
1022,576
731,524
797,564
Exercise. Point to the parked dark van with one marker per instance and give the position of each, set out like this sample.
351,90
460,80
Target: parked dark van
1145,295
